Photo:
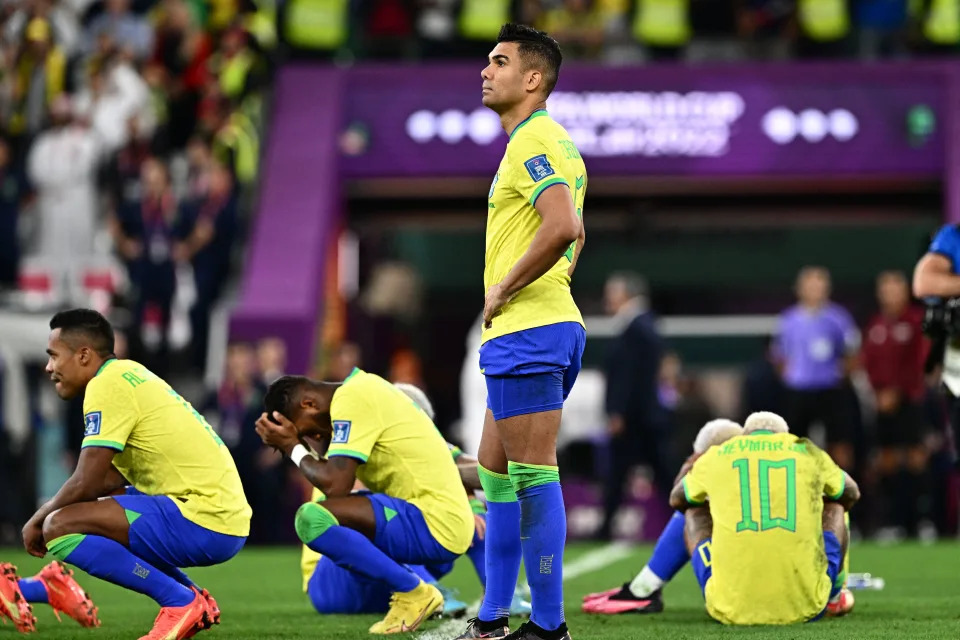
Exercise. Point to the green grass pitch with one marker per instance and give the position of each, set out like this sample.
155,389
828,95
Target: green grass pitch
259,594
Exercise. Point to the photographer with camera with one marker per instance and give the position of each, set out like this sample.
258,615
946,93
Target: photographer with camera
936,280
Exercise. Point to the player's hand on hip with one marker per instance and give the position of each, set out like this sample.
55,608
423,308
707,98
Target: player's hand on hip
277,432
33,539
493,303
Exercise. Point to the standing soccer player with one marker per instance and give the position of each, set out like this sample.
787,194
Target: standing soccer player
186,506
533,334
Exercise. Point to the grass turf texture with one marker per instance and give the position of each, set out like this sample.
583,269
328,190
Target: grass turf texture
259,594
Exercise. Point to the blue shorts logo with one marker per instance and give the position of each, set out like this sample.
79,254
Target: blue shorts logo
538,167
341,432
91,424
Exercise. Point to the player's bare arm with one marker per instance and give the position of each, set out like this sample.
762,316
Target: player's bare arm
678,498
850,495
698,526
934,276
335,477
559,227
94,477
581,240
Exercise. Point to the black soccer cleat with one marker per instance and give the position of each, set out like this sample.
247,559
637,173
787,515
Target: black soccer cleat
530,631
476,628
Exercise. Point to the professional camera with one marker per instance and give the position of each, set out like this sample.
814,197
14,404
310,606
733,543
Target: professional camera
942,319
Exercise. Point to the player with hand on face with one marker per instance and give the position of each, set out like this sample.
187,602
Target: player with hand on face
765,526
417,511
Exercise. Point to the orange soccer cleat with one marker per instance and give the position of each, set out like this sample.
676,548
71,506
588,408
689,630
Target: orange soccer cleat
841,605
210,618
67,596
179,623
12,603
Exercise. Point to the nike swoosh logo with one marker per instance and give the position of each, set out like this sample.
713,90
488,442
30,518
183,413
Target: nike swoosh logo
172,635
580,182
11,608
416,623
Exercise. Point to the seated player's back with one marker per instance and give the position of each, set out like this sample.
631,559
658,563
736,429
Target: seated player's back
404,455
165,447
767,552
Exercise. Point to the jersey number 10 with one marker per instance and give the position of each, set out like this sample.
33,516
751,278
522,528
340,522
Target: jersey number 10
767,521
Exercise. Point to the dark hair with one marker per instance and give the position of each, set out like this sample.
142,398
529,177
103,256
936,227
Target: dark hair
85,325
537,50
283,394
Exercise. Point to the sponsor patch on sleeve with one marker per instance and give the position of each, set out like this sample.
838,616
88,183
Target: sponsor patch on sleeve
341,432
91,424
539,167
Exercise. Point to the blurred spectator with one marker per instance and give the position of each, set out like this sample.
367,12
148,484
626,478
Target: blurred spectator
762,387
436,27
144,233
894,351
62,166
478,25
882,27
236,66
12,191
115,95
343,360
38,80
213,229
121,174
636,420
816,346
122,28
199,161
236,143
318,28
58,16
663,28
388,26
271,359
684,405
824,29
764,25
578,25
938,24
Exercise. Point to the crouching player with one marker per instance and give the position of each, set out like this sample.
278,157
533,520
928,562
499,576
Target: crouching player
181,502
418,512
775,517
54,585
644,593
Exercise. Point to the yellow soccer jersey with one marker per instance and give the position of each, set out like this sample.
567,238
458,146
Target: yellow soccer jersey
404,455
164,446
766,498
539,154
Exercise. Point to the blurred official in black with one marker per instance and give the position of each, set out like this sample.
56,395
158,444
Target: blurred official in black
636,420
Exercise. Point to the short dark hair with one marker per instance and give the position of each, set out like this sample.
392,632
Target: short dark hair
85,327
537,50
283,394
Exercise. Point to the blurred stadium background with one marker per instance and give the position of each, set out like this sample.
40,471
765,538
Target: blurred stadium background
248,188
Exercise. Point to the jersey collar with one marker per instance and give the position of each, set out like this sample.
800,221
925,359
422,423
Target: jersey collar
104,366
535,114
355,371
761,432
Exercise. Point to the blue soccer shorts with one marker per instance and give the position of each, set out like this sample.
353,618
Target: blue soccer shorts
161,535
402,533
335,590
532,371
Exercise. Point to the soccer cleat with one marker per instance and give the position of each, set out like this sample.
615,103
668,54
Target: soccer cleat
212,615
408,610
623,601
12,603
519,607
841,605
452,606
530,631
67,596
474,631
605,594
178,623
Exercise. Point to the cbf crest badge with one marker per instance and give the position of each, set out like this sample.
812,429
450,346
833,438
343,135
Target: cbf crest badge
91,424
341,431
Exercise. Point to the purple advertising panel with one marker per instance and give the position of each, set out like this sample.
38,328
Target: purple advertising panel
800,120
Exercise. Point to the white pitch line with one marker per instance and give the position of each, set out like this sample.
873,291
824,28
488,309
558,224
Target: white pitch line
587,563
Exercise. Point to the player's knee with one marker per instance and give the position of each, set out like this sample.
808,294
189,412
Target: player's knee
53,526
313,520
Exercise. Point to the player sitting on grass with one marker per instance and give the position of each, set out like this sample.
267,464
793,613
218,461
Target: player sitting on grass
768,547
334,590
644,593
418,512
54,585
185,507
